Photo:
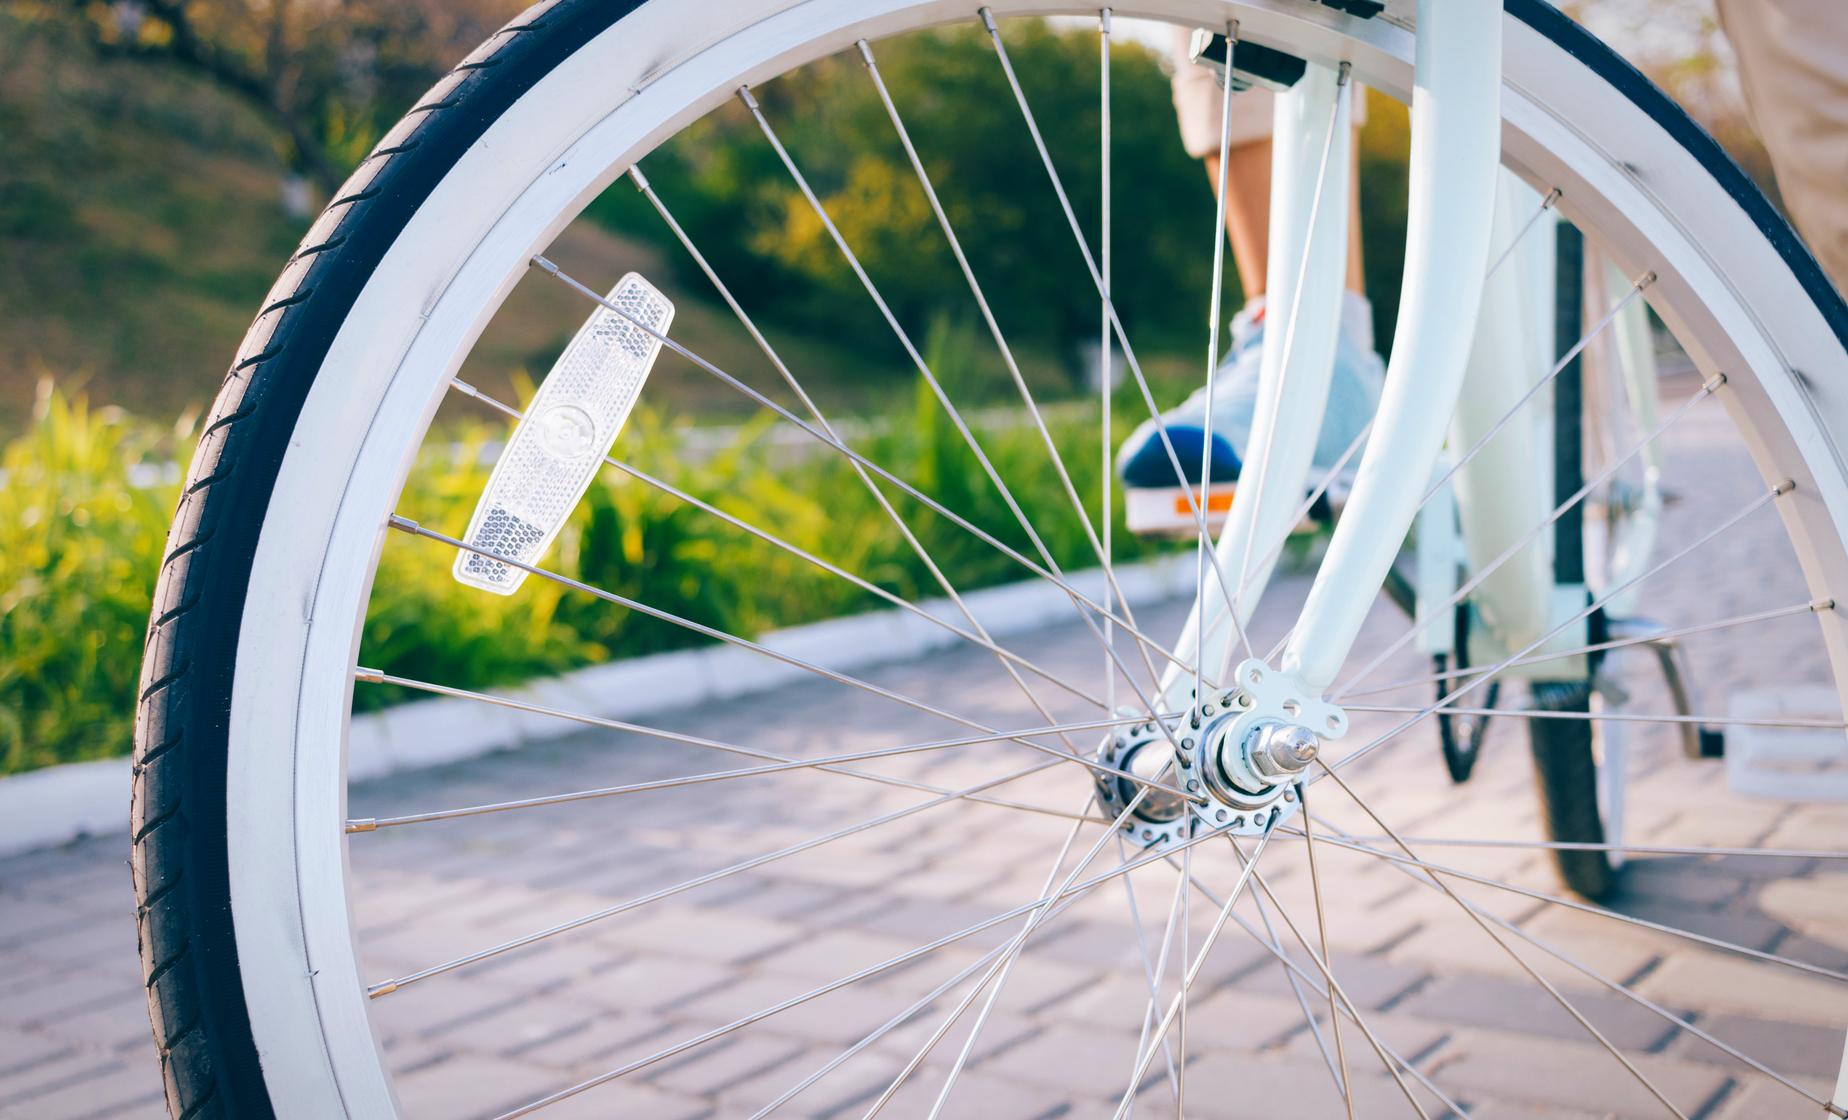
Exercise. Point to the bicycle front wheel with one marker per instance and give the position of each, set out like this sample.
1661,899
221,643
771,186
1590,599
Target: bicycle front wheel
845,884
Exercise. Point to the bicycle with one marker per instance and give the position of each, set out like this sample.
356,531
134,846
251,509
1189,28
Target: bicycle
259,998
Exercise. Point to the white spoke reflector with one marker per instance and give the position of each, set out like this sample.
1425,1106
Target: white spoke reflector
570,426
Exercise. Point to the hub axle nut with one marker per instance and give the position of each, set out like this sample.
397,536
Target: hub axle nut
1283,751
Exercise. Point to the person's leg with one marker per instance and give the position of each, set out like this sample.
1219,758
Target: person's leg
1143,460
1247,209
1248,214
1198,98
1793,66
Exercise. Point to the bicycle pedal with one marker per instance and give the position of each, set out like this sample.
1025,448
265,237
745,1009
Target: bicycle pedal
562,439
1165,511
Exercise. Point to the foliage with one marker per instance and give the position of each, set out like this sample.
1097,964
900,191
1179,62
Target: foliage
80,543
81,532
727,186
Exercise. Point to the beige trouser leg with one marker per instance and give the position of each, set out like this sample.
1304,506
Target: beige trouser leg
1793,64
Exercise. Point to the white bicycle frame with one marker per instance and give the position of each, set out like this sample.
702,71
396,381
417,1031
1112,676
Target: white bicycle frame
1456,141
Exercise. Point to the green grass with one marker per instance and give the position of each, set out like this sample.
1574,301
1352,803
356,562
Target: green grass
81,536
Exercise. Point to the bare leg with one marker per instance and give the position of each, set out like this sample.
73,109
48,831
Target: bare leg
1248,214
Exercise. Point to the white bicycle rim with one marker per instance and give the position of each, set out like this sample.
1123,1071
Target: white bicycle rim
1723,290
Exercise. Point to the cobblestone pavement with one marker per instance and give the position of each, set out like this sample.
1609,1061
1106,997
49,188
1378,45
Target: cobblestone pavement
1437,990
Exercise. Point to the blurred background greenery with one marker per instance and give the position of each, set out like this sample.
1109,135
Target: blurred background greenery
159,160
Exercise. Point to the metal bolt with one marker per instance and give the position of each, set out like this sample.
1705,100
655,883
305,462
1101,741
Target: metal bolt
1284,750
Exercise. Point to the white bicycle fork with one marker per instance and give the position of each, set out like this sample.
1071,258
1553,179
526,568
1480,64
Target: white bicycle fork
1456,145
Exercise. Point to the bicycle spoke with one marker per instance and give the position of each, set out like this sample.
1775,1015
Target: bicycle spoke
1628,849
888,1026
1199,962
923,368
1067,900
1151,968
994,329
1180,1088
1679,1023
1321,925
1078,597
1071,892
1296,988
1520,235
879,496
1302,511
978,638
904,339
1267,421
406,525
1450,701
1559,367
1590,908
399,983
1615,717
1812,607
1000,972
1270,942
779,764
1106,475
1097,279
1424,618
1558,997
1215,310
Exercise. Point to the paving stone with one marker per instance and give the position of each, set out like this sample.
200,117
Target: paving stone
979,1094
26,917
433,1004
1794,1049
475,1086
1577,1075
1455,948
648,984
67,1068
698,934
713,1068
103,1093
44,994
1480,1001
831,954
844,1014
628,1097
24,1049
1248,1088
1368,981
1761,1097
1725,981
516,1026
610,1039
1001,1032
853,1088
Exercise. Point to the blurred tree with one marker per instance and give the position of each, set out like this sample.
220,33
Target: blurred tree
329,75
727,187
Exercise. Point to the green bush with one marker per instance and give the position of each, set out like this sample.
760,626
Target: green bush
79,547
81,535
